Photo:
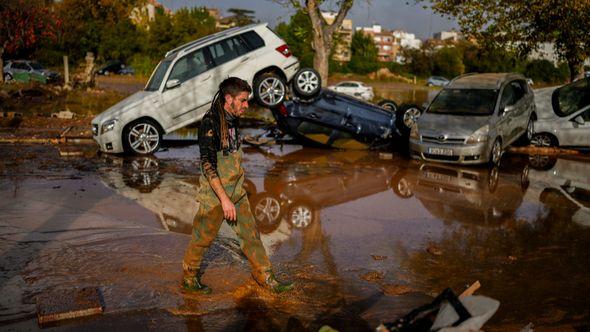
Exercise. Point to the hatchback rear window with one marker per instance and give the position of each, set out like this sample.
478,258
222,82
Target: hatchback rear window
464,102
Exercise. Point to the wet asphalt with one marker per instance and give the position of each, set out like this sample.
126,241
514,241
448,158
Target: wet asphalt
365,238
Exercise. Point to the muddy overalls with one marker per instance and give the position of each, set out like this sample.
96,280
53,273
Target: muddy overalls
210,216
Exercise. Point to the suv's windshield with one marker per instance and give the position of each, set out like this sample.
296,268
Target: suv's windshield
464,102
158,76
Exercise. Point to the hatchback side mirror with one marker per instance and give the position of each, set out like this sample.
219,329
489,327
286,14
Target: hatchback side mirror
579,120
173,83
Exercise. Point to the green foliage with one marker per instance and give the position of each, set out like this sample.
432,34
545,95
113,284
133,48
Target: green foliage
545,71
364,58
143,64
298,35
525,25
242,16
448,62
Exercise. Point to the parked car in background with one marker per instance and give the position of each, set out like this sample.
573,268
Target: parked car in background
563,115
115,67
437,81
181,88
28,70
355,89
474,118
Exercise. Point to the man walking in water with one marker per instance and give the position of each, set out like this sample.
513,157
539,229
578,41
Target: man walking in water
221,193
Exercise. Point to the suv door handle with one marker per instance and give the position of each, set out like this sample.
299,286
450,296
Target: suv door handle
244,59
313,116
206,78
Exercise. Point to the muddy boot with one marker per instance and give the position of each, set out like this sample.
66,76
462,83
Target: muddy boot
191,282
271,283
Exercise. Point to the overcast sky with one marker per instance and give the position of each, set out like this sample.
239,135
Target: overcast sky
391,14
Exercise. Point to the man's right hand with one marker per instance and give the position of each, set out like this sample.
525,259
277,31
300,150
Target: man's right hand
229,209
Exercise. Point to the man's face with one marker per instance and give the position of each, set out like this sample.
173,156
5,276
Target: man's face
237,105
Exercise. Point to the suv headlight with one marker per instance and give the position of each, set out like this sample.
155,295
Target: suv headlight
480,135
108,125
414,132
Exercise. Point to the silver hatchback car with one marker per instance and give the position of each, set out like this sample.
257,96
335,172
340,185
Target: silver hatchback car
474,118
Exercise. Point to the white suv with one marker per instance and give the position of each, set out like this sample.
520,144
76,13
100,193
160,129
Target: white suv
181,88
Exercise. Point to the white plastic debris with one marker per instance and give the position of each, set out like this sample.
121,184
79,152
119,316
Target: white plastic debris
480,307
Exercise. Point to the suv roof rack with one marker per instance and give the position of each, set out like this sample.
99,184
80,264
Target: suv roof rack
212,37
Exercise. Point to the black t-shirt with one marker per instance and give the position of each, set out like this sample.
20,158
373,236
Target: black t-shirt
210,141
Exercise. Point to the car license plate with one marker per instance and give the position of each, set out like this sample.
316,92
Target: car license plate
438,177
440,151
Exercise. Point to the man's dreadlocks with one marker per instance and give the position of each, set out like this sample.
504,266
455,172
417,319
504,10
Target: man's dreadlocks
232,86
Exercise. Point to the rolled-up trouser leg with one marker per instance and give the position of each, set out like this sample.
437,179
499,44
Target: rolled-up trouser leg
205,228
250,242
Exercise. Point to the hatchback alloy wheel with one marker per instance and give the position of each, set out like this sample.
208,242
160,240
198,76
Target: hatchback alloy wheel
496,154
411,116
542,140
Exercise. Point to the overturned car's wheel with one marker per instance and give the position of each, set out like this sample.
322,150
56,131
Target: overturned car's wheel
307,83
270,90
389,105
406,116
141,137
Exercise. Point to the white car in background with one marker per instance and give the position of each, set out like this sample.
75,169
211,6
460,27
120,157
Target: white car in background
563,115
355,89
180,89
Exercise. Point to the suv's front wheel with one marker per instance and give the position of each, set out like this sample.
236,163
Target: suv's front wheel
141,137
270,89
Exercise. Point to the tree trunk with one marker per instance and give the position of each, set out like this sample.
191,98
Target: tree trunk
322,54
1,65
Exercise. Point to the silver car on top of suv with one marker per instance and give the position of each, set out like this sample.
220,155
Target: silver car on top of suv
474,118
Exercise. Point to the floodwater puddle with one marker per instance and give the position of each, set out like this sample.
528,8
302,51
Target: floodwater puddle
365,239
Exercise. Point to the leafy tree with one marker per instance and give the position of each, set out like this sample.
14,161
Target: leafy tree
525,25
23,26
298,35
322,32
448,62
242,16
364,57
545,71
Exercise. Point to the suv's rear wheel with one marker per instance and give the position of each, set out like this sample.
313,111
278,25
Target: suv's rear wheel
141,137
270,89
307,83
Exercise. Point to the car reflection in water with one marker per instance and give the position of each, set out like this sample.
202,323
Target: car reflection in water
301,183
479,196
563,186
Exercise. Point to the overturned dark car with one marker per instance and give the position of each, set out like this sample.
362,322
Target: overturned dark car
322,117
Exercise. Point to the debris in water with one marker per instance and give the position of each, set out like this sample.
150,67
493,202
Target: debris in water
67,304
379,258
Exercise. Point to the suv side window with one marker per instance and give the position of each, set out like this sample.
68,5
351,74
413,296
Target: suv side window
572,97
190,66
253,40
227,50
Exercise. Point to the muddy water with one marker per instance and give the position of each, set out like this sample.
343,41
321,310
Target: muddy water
365,239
